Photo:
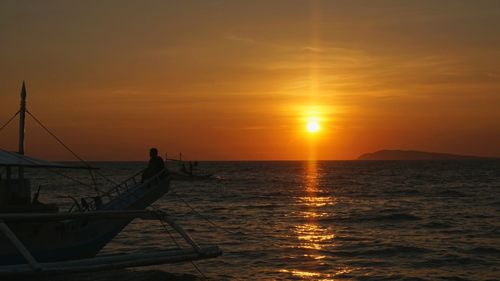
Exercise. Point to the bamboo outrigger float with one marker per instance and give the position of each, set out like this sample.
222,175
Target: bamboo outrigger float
38,239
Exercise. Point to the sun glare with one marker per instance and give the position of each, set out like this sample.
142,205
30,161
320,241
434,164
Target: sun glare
312,126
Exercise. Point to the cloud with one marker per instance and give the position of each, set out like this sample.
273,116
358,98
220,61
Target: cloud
241,39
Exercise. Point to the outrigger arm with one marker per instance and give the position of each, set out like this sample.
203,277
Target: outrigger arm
19,246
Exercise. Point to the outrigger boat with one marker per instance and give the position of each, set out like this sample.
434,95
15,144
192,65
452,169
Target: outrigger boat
182,170
37,238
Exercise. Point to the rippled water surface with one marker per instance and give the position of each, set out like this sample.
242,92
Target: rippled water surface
341,220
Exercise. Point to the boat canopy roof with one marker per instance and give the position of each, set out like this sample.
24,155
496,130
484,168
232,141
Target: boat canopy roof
13,159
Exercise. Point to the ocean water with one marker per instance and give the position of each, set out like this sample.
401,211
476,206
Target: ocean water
326,220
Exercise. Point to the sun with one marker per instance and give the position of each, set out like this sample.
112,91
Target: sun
312,126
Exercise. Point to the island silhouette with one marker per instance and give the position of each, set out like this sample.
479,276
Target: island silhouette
416,155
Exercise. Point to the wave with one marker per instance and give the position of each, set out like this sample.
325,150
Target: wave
451,260
383,252
436,225
449,193
390,277
484,251
405,192
396,217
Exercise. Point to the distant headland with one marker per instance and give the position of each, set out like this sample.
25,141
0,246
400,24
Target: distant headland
415,155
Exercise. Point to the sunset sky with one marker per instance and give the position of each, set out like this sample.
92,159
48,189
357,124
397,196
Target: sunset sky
240,80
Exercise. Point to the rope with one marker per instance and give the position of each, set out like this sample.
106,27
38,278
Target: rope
58,173
199,271
67,148
11,118
94,181
56,138
54,172
68,177
166,228
201,215
175,241
48,169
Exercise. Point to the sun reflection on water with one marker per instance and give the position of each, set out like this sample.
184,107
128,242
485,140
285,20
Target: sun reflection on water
312,236
309,275
312,233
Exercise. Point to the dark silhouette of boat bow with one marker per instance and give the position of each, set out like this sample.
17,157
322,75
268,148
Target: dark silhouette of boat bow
39,239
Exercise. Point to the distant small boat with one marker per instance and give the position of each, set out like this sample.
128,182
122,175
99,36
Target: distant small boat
40,239
185,170
180,176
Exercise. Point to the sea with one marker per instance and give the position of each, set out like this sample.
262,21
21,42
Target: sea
314,220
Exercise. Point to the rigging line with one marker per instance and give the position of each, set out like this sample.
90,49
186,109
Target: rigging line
201,215
68,177
166,228
94,181
199,270
175,241
11,118
56,138
49,169
108,179
54,172
67,148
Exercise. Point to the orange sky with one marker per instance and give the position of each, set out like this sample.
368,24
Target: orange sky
237,80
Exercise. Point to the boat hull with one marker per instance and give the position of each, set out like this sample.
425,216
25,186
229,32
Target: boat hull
60,240
69,239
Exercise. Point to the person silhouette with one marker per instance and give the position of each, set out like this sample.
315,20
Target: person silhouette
155,164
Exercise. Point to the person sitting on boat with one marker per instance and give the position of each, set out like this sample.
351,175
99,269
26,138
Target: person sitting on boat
155,164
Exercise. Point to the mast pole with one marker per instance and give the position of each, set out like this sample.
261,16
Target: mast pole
22,114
